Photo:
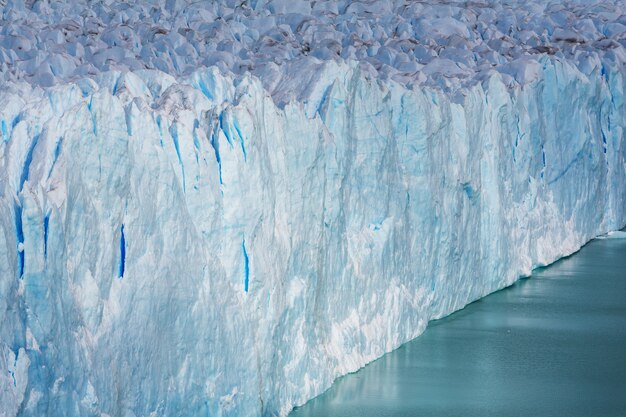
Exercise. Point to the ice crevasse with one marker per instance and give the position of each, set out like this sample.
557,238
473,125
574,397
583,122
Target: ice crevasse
194,247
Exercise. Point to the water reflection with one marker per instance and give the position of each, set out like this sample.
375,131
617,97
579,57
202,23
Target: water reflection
552,345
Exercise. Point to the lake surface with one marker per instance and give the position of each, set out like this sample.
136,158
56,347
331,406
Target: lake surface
551,345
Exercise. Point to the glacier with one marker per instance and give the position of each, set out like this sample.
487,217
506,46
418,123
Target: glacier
223,243
191,248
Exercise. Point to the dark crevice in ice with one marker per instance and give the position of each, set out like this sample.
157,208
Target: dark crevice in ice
246,266
27,161
122,265
19,234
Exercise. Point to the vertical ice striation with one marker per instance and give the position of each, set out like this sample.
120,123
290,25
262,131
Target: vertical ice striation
266,250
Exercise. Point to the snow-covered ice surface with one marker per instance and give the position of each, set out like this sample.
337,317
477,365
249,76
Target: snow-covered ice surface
447,44
218,210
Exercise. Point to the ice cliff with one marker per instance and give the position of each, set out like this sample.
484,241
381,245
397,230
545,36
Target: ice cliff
225,244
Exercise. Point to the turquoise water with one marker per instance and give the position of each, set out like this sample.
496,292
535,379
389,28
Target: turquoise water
551,345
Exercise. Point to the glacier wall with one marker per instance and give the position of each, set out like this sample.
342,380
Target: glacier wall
191,248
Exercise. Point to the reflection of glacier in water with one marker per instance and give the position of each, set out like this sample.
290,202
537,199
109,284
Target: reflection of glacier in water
550,345
614,235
